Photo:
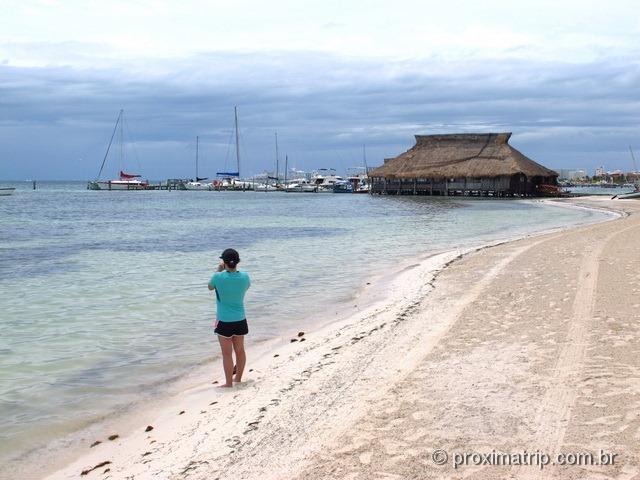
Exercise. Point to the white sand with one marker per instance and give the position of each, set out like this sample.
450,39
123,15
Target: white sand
531,344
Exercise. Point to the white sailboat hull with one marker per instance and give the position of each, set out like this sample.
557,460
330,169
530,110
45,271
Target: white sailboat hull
198,186
6,191
265,188
118,185
126,181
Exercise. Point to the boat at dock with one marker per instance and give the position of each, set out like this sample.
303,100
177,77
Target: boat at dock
231,180
324,179
343,186
358,176
193,185
125,181
265,187
198,183
301,185
363,187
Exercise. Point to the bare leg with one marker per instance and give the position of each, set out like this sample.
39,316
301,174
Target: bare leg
241,356
226,344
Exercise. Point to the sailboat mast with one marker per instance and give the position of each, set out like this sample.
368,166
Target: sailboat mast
286,167
277,161
364,158
633,157
121,141
235,113
113,134
197,157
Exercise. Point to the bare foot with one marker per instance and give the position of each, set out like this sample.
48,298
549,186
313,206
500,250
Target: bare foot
226,385
236,379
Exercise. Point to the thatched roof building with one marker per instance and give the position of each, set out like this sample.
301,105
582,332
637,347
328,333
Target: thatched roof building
465,163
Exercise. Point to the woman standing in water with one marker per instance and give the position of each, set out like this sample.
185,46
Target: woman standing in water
230,286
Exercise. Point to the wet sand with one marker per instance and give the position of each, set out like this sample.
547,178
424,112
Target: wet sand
527,345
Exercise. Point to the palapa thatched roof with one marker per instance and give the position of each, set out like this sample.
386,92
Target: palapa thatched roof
461,155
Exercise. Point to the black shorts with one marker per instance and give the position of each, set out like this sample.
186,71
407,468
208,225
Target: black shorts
232,329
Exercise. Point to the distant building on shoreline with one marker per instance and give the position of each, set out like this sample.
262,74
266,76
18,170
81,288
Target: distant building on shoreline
615,176
569,174
479,164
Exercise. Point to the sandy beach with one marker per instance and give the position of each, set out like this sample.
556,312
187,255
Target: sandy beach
528,345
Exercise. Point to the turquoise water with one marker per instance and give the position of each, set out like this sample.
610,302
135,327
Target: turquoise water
103,294
610,192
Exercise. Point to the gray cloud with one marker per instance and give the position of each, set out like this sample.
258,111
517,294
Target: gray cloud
55,121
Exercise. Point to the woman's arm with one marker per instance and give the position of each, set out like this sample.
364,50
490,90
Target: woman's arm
220,269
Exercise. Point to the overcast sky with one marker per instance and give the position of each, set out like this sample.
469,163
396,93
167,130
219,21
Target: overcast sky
328,76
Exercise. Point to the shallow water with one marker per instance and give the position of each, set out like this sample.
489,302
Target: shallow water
596,190
103,294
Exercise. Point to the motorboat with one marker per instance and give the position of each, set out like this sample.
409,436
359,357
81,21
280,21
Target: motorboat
324,179
363,186
343,186
301,185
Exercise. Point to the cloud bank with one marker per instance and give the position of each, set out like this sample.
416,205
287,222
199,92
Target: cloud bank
55,121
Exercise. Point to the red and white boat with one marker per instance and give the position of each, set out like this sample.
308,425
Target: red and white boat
126,181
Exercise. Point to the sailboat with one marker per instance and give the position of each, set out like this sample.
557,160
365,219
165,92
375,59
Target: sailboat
125,181
267,187
358,176
198,184
228,179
